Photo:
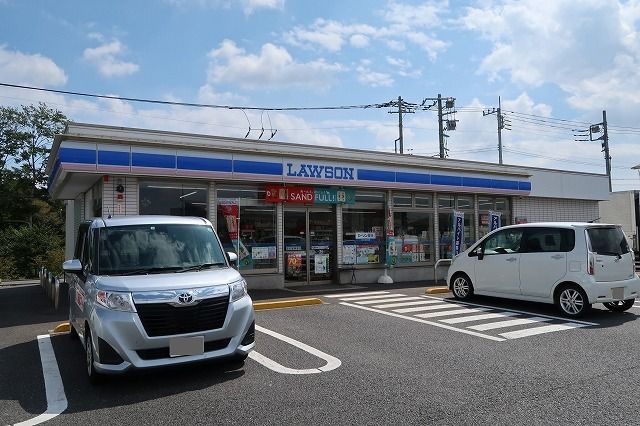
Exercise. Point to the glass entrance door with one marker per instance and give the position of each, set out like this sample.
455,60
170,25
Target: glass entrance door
309,245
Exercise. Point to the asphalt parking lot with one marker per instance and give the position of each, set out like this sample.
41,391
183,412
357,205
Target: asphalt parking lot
365,356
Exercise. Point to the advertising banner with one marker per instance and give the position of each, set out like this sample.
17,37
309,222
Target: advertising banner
230,208
308,195
495,220
458,232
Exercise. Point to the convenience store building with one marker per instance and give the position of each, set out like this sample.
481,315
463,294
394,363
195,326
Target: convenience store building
300,214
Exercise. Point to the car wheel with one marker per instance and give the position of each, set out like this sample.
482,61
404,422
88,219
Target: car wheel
572,301
461,287
619,306
94,376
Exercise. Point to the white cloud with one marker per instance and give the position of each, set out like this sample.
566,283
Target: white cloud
273,67
371,78
405,24
359,41
106,58
29,69
590,49
250,6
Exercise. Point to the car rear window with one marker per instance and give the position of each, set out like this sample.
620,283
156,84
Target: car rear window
607,240
542,240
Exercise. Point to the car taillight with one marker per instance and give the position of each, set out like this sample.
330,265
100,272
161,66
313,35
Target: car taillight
591,264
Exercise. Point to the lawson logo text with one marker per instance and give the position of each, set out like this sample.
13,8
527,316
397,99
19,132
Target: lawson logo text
320,171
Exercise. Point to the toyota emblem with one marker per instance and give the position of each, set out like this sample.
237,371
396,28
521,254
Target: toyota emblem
185,298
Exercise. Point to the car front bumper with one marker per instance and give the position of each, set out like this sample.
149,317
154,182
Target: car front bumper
124,332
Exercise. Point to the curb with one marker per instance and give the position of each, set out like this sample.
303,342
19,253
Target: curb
65,327
437,290
261,306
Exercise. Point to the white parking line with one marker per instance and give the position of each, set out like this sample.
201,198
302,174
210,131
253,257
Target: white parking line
331,362
452,312
540,330
513,310
428,308
396,299
479,317
509,323
56,398
383,296
423,321
364,293
398,305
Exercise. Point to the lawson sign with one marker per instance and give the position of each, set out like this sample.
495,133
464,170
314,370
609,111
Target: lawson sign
315,170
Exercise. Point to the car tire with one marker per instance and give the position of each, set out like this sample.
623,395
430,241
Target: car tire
461,287
572,301
94,376
619,306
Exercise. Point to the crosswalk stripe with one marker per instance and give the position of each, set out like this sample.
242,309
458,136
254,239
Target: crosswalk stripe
453,312
428,308
539,330
509,323
479,317
398,305
397,299
381,296
357,294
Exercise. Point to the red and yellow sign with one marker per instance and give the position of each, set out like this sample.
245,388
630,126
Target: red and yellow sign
290,194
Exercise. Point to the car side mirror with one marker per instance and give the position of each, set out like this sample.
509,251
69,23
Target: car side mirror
233,258
73,266
479,252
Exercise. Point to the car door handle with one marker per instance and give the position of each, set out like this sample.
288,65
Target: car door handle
557,256
511,259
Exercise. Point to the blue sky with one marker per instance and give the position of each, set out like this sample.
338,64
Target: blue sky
548,60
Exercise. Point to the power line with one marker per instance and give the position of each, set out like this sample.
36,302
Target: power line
197,105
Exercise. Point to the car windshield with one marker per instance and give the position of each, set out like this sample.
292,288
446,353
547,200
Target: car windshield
144,249
608,241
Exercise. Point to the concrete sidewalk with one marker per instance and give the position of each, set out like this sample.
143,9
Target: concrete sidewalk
18,282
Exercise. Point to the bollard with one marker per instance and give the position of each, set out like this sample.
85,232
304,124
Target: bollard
56,292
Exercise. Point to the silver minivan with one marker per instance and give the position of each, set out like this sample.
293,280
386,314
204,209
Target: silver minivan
571,265
150,291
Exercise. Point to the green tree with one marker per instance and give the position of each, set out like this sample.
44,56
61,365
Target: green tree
31,224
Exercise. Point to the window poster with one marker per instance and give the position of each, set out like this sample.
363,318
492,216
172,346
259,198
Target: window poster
349,254
321,263
367,253
294,264
261,253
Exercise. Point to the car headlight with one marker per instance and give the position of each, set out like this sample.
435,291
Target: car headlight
115,300
238,290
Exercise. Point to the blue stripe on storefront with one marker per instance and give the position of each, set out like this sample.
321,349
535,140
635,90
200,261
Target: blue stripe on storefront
376,175
54,172
114,158
143,159
524,186
77,155
476,182
504,184
203,163
257,167
446,180
403,177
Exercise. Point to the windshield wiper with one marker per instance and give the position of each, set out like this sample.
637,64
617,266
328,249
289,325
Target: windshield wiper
199,267
149,270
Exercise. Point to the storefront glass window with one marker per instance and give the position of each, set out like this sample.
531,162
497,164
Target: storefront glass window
465,203
414,236
363,230
445,201
486,204
424,201
173,199
402,200
247,226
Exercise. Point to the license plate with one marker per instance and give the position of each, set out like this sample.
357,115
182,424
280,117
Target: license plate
617,293
183,346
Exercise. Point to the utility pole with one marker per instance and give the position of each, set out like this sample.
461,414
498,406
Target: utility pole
503,123
403,108
605,147
595,128
440,130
